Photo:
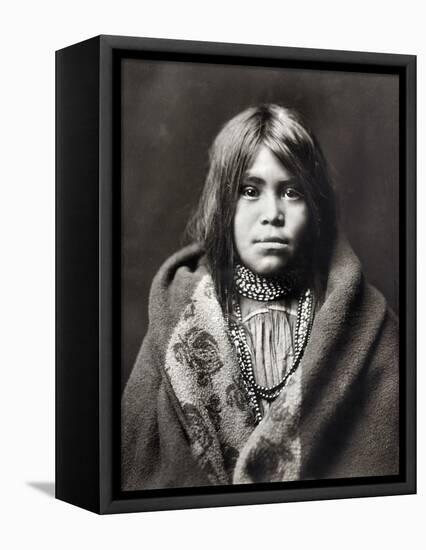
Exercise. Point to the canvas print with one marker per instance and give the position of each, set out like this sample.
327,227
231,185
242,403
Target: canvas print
259,274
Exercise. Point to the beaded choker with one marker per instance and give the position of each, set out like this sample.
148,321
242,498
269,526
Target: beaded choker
255,391
260,288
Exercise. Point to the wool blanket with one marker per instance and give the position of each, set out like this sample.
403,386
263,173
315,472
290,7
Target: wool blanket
185,415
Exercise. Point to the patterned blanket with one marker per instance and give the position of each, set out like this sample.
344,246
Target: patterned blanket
185,414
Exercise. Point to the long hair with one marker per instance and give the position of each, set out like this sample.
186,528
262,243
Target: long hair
281,130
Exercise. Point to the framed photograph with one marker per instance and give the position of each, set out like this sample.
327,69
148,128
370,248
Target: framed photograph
235,274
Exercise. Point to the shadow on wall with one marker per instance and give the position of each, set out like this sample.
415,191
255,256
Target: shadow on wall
46,487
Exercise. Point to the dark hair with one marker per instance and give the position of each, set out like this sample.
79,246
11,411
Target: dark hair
281,130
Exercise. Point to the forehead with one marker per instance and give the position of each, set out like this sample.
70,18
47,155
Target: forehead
267,167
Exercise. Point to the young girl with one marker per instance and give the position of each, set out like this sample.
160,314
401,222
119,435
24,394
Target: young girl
268,357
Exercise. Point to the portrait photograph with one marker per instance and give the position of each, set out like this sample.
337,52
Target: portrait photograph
259,274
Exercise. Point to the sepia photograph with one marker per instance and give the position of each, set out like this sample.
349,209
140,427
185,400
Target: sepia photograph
259,274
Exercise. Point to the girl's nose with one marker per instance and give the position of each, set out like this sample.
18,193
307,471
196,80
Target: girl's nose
272,212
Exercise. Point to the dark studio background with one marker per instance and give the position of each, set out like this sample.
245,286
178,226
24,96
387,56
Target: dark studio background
171,113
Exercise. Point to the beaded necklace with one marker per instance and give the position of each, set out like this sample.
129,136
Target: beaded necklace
303,327
260,288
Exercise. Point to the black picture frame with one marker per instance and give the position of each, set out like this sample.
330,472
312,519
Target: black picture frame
87,274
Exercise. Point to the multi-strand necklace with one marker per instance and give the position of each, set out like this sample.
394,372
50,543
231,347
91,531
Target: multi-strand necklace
257,288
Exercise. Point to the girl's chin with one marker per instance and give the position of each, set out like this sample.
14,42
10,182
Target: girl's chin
269,267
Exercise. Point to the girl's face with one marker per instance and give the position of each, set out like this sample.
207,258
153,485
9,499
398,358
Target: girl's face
271,216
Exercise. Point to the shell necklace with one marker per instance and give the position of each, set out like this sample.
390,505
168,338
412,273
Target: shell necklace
255,391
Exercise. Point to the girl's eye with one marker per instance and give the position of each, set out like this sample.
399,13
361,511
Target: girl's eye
250,192
292,194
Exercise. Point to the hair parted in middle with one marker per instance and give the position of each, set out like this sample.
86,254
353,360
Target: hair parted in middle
281,130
